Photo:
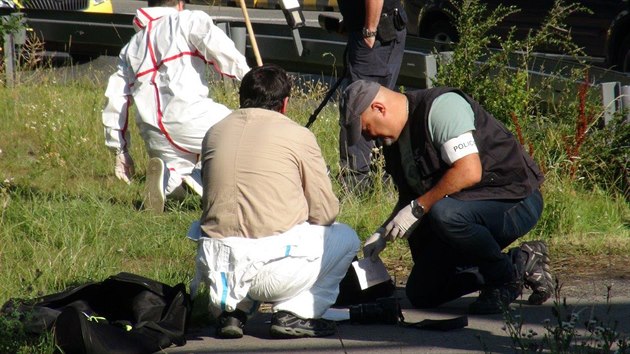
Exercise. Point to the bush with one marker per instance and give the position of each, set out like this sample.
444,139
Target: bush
555,116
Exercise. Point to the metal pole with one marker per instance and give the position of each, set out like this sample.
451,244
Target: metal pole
625,101
9,57
298,41
610,101
322,104
330,92
430,65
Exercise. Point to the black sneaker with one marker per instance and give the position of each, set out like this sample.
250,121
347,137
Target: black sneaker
494,300
287,325
537,274
230,324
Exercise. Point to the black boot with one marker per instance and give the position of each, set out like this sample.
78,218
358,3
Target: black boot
230,324
496,299
537,274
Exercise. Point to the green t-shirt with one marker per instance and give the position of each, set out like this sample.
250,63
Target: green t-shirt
449,117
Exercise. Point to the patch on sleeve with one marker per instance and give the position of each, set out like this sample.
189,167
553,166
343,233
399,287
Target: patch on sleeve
458,147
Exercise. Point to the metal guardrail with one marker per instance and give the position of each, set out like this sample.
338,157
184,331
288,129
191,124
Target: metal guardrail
81,33
9,42
322,52
85,34
317,5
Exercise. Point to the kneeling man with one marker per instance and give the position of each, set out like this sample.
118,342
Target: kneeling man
268,224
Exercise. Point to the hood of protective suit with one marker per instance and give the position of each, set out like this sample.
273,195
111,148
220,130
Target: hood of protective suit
148,14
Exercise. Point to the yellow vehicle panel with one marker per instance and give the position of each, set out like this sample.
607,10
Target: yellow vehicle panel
102,6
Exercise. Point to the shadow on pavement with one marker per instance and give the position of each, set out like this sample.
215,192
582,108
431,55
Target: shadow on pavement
484,333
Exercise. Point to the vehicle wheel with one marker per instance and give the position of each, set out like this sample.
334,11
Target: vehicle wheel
442,32
622,60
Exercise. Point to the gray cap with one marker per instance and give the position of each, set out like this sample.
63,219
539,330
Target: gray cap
357,97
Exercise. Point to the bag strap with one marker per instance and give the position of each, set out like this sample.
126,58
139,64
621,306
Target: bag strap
447,324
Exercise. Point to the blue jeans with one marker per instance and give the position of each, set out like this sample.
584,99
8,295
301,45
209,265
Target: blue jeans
458,246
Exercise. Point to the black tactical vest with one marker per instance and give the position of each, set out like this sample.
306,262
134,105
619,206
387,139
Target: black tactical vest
508,172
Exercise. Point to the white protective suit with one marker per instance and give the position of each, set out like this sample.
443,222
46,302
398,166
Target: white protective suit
298,271
163,71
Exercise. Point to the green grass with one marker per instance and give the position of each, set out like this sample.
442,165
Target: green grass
588,222
65,219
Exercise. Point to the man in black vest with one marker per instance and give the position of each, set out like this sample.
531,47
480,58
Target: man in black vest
467,190
374,51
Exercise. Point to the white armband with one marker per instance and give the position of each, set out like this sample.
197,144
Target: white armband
458,147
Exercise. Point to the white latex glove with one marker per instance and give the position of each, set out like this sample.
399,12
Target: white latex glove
401,225
124,167
374,245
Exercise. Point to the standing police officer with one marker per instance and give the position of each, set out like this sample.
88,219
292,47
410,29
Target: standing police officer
375,47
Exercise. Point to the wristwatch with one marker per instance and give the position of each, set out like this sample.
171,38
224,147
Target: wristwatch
417,209
367,33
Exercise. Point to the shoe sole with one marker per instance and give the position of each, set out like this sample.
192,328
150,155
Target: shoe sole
540,279
289,332
154,191
230,332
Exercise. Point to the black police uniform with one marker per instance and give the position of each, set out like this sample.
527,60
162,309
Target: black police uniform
381,64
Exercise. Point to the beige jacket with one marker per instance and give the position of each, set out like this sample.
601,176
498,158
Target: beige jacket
262,175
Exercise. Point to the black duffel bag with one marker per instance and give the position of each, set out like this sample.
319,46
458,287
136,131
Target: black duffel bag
124,314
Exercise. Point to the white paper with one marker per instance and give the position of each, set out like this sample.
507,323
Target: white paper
370,273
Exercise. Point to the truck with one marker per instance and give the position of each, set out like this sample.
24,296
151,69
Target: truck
603,32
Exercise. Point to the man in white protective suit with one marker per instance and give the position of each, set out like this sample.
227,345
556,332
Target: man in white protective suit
162,70
268,232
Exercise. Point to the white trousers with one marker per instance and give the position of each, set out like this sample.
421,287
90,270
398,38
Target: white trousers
298,271
178,142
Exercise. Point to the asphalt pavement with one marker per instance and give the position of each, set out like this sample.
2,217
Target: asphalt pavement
607,301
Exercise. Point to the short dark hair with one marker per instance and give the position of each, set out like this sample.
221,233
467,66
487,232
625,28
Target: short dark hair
166,3
266,87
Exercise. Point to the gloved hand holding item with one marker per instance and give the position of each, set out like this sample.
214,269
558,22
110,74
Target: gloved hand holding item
374,245
124,167
401,225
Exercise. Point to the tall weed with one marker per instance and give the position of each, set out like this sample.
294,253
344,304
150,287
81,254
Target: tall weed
555,117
